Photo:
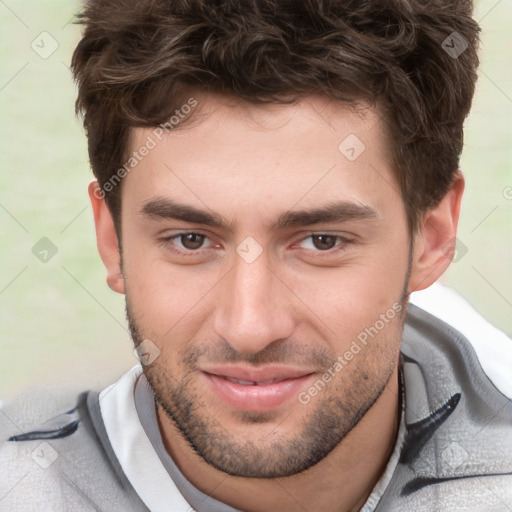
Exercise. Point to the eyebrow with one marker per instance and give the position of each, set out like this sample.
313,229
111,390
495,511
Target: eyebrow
341,211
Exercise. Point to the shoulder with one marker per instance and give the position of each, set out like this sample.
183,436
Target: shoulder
457,451
63,463
452,315
453,359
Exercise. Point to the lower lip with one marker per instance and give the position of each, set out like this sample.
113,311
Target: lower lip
255,398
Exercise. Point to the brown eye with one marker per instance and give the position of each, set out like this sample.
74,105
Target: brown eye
192,241
324,242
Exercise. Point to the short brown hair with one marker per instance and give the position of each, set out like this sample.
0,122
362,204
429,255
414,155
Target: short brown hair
415,59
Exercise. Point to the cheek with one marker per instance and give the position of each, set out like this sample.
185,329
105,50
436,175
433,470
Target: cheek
165,299
350,298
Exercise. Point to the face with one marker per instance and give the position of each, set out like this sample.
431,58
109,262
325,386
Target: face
265,259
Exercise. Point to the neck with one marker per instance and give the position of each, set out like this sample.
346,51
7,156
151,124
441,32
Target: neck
345,477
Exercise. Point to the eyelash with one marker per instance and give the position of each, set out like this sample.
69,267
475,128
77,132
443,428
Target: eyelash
168,241
340,246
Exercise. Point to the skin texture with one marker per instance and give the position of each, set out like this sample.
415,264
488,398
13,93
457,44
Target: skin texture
295,305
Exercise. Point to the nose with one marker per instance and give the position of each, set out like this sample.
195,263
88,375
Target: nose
254,307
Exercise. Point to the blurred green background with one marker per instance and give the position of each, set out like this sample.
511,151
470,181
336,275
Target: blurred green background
60,323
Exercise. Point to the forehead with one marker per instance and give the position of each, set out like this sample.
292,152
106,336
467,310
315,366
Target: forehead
228,153
313,114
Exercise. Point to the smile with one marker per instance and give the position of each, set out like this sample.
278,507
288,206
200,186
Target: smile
255,390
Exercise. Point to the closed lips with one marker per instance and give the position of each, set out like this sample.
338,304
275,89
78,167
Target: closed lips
256,376
251,382
255,389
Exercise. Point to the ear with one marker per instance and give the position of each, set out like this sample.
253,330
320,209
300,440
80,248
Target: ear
434,243
106,238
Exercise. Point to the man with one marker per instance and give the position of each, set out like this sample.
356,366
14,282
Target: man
274,179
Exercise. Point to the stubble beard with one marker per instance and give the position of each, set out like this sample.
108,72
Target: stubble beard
328,418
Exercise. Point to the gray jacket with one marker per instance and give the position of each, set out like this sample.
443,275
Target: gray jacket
456,455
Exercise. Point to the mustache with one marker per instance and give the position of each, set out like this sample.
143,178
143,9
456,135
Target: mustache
285,352
277,352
